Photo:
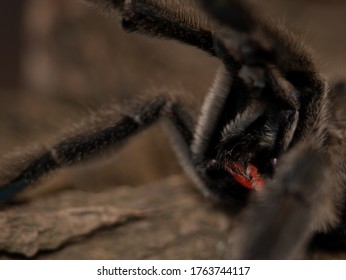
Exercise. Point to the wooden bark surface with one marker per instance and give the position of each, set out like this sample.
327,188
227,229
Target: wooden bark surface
169,219
165,220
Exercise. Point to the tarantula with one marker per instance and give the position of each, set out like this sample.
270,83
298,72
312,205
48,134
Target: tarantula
270,136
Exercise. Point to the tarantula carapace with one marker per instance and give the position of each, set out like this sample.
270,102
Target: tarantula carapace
270,136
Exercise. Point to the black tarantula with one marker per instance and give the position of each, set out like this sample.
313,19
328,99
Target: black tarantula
271,133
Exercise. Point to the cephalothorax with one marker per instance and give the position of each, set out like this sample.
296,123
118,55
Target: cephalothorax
270,124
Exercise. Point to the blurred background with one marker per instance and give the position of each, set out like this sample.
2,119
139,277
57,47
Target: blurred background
59,59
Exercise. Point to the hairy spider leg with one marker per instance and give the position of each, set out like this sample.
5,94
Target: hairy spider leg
258,45
96,135
152,19
282,222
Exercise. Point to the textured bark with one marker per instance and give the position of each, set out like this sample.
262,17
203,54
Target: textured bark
166,220
26,231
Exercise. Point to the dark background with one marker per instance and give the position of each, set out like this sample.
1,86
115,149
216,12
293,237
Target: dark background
59,59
